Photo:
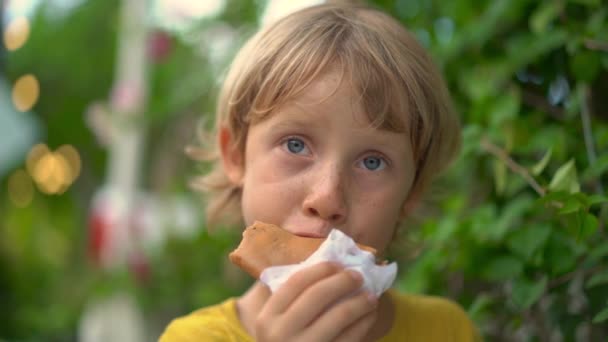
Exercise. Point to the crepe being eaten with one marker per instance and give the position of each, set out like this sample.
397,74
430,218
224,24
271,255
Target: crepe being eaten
265,245
272,254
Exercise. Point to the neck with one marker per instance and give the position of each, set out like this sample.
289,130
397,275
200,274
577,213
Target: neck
250,304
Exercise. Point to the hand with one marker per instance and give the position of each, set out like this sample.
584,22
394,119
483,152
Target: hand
316,304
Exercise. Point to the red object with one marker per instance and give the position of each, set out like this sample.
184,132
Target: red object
98,237
139,267
160,45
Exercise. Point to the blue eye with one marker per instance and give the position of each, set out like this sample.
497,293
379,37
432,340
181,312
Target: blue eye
374,163
295,146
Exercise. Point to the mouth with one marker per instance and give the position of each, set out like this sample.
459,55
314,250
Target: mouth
310,235
312,231
308,229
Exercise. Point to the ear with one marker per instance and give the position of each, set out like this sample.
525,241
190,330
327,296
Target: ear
232,158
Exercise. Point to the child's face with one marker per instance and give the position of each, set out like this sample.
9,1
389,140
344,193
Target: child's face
316,164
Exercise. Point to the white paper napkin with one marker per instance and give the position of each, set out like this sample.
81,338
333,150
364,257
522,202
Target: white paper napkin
339,248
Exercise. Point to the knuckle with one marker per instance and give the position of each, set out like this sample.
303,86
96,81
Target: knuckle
265,332
268,329
323,270
262,330
327,267
293,280
351,279
346,313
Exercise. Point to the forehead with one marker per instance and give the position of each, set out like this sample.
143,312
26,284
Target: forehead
331,93
332,96
328,90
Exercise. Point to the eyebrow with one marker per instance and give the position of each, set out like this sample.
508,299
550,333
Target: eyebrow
294,121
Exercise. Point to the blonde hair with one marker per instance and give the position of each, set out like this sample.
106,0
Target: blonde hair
399,87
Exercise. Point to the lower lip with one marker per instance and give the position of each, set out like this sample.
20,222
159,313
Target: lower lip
304,235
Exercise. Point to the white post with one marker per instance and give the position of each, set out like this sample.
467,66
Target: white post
128,102
117,318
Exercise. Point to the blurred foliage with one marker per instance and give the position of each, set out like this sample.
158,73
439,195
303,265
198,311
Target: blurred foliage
518,230
47,277
520,237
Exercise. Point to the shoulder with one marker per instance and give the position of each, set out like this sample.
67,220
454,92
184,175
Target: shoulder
436,318
438,307
215,323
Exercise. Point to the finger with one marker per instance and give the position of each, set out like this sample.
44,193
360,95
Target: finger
360,329
339,318
296,284
318,297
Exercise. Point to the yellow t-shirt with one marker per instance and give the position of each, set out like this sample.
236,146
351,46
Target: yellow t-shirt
417,318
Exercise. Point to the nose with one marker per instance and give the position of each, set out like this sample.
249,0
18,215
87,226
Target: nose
326,199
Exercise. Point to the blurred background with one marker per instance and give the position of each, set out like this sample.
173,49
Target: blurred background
101,238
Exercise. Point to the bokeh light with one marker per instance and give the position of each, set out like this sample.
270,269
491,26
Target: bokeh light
16,33
26,92
53,172
71,155
34,156
20,188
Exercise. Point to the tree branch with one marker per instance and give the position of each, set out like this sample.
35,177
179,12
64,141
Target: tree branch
511,164
584,95
598,45
568,276
541,103
539,324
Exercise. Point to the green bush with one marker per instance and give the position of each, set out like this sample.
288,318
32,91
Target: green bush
520,237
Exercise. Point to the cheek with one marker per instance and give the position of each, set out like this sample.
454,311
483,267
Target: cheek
274,173
379,213
271,189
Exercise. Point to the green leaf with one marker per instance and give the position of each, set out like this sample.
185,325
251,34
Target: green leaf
544,15
589,225
592,3
418,277
597,279
500,176
483,221
597,21
526,292
599,168
598,252
557,196
571,205
538,168
560,254
479,305
526,48
505,107
601,316
480,82
597,199
527,240
510,216
565,178
446,229
503,268
585,65
471,135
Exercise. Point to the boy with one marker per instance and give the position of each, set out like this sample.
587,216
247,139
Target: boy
332,117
